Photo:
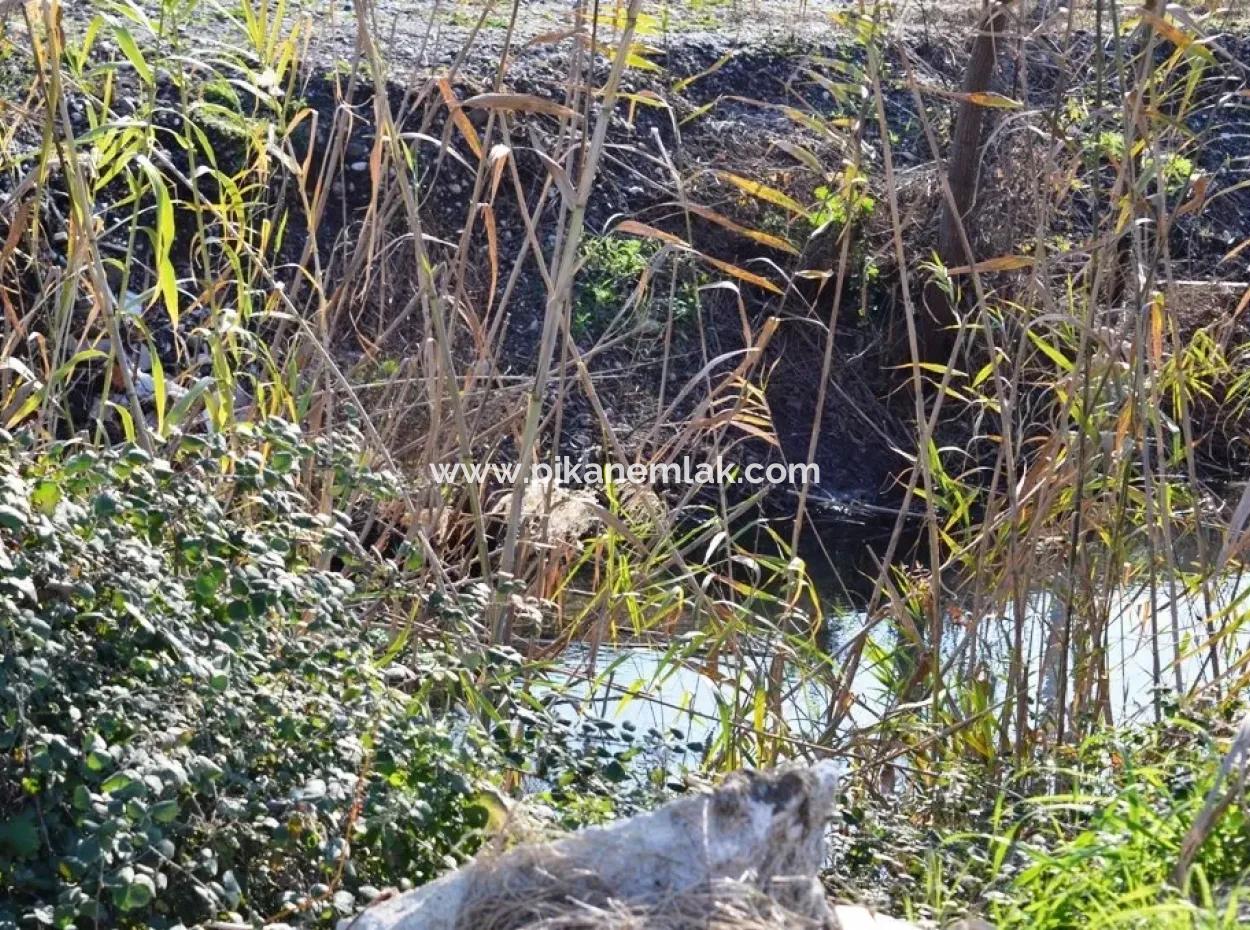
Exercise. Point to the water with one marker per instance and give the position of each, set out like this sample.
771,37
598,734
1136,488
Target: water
1142,622
637,684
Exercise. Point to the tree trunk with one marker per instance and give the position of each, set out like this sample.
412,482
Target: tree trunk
963,163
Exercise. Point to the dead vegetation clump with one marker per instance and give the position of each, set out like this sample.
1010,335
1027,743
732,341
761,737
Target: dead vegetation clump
572,902
747,854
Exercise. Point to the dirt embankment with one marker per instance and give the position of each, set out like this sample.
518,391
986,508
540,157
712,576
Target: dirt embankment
757,93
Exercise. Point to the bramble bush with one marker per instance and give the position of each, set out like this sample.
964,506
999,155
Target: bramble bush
195,719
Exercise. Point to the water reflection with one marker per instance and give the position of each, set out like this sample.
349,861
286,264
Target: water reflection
1150,636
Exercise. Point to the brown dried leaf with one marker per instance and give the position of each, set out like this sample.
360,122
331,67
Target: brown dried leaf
773,242
762,191
458,117
518,103
1001,263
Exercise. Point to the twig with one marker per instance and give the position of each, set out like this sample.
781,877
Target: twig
1228,784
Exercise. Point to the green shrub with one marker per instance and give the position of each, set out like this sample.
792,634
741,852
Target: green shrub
1103,854
1091,843
192,720
611,269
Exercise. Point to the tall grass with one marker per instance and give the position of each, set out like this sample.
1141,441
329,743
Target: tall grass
174,230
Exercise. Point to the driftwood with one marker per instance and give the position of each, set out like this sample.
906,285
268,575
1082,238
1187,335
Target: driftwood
744,856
